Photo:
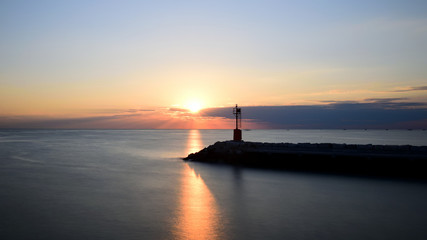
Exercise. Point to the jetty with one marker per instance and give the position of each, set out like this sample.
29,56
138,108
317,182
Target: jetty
401,161
375,160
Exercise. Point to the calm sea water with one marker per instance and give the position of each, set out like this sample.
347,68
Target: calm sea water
61,184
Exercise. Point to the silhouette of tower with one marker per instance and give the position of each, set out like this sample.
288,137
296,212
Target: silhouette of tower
237,136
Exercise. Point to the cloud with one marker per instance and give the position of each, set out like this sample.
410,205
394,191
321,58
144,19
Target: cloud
153,119
139,110
375,113
385,100
411,89
115,111
179,110
422,88
370,113
377,103
96,122
395,103
338,102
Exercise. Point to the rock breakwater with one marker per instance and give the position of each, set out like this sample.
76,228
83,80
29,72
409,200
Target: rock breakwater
376,160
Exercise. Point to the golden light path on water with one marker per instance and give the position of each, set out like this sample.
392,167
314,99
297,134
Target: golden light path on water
197,213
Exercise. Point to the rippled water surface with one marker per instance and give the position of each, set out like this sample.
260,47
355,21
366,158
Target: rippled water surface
113,184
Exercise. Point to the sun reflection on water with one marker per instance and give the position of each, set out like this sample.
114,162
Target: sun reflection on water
194,143
197,215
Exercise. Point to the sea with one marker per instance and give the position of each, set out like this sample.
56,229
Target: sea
133,184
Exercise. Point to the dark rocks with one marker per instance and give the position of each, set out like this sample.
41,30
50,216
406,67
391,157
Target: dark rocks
377,160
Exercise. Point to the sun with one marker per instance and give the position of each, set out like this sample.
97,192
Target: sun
194,106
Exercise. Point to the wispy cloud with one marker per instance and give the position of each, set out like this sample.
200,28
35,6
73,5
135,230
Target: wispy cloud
384,100
368,113
365,92
115,110
174,109
378,103
139,110
161,118
338,102
410,89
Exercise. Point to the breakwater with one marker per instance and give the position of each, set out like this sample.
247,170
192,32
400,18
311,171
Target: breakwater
376,160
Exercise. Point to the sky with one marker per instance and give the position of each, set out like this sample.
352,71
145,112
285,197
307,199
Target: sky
147,64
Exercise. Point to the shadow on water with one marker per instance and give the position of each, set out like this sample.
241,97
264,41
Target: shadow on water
197,215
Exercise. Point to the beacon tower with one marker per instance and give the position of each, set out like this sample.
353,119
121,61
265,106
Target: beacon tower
237,136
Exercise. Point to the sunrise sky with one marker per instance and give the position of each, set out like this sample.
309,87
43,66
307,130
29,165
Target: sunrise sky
146,64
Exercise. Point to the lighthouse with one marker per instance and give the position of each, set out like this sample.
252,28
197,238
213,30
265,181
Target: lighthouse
237,134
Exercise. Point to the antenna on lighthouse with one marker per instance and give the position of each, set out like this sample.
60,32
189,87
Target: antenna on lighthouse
237,136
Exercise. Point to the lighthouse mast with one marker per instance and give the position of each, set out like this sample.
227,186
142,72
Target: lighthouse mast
237,134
